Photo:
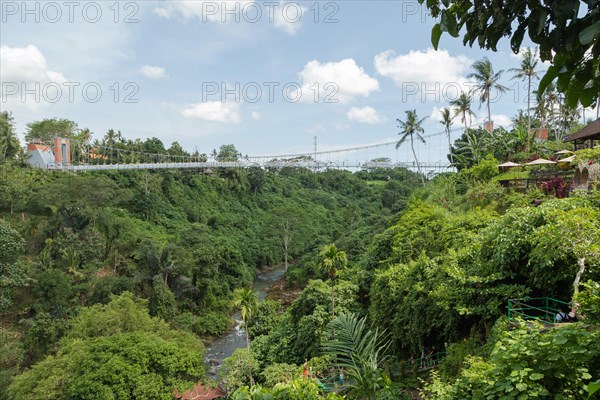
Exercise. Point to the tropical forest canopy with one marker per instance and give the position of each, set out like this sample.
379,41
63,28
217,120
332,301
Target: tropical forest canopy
112,281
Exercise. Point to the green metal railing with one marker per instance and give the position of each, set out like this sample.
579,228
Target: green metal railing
539,308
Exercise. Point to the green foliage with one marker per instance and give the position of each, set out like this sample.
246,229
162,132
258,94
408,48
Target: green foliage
589,298
122,314
162,301
52,291
13,271
264,319
236,371
303,327
106,286
526,363
12,355
47,129
548,239
588,154
9,142
115,351
485,170
279,373
136,365
570,65
360,351
299,389
207,323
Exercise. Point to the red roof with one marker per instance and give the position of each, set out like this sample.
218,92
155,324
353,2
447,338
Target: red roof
201,392
35,146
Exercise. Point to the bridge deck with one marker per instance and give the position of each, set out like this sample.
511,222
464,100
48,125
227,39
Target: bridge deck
244,164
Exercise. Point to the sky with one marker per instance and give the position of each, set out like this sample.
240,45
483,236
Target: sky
266,76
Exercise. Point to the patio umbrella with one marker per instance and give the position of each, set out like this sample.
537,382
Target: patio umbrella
540,161
563,152
568,159
509,164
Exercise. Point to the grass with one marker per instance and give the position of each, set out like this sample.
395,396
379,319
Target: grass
513,173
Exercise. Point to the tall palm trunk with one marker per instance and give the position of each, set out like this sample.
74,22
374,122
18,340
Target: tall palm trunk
449,146
248,349
529,105
332,301
489,109
416,159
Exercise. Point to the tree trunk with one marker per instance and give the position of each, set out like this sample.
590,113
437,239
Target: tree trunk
581,263
248,349
450,147
489,109
285,251
416,160
529,106
332,301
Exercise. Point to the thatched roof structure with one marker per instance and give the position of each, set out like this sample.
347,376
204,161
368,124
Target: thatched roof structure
590,132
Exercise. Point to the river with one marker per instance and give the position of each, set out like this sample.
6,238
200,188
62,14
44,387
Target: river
224,346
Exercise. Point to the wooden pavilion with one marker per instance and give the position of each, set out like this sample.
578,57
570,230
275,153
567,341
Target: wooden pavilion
589,134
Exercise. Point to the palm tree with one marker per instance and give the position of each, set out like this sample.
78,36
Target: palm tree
527,71
157,262
547,102
361,351
462,106
246,300
447,122
331,261
412,126
486,81
9,143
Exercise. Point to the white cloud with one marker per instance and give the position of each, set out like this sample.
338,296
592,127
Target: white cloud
336,81
365,115
27,80
287,16
436,114
214,111
428,67
26,64
255,115
153,72
283,15
498,119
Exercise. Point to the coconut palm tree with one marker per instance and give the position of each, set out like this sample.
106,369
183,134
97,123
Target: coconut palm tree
246,300
156,262
447,122
410,127
331,261
462,107
527,71
361,351
487,80
547,104
9,143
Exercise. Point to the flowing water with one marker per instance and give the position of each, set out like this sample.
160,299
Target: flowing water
224,346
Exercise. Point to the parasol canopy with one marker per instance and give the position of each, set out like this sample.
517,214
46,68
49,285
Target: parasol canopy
568,159
563,152
509,164
540,161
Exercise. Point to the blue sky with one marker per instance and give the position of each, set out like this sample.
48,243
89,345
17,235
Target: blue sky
176,59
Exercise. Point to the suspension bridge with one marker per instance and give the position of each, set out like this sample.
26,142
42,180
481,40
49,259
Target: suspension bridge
68,155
